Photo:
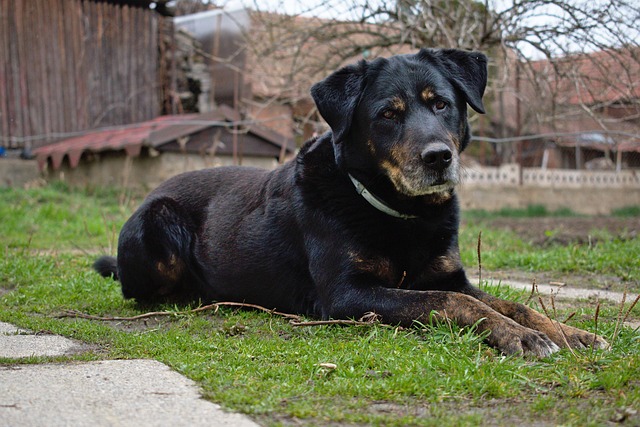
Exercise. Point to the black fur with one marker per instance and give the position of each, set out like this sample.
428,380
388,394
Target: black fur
301,239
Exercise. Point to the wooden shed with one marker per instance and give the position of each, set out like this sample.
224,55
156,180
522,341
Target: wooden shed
73,65
146,153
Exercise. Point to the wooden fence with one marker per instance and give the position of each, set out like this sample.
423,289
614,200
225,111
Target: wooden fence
70,65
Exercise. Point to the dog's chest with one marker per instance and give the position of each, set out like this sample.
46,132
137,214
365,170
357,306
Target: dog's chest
407,262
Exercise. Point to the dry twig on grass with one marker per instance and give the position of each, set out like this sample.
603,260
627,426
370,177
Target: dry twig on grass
295,320
557,325
368,319
330,322
214,307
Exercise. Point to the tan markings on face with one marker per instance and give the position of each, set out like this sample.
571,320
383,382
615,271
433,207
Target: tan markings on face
399,154
377,266
394,172
172,270
398,104
393,165
398,178
427,94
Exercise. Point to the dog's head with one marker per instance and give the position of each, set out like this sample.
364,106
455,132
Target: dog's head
404,117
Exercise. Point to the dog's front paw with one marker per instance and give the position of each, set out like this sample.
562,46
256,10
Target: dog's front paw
520,340
577,338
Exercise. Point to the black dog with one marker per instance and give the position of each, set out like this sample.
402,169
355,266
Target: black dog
365,219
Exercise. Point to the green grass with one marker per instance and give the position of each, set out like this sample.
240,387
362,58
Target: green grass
56,217
629,211
611,256
261,365
505,250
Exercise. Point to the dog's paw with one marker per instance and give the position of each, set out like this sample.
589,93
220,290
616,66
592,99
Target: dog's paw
519,340
578,339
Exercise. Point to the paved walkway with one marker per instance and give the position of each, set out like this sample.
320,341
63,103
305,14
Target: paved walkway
107,393
123,392
568,292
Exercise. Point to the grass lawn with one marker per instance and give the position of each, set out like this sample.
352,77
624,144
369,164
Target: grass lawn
259,364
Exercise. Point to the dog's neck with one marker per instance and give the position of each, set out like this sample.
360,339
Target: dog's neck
376,202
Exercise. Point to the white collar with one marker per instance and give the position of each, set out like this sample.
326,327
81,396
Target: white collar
377,203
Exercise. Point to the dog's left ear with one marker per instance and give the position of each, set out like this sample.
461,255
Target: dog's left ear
466,70
337,97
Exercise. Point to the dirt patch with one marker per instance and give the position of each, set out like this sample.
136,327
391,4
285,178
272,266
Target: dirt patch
567,230
489,412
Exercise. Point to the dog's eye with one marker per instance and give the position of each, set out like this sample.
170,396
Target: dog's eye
440,105
389,114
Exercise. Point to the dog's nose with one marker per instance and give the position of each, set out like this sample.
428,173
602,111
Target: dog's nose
437,156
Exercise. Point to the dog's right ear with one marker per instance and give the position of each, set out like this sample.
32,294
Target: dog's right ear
337,97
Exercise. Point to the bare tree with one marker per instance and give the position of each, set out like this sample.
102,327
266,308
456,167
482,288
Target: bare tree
540,49
531,28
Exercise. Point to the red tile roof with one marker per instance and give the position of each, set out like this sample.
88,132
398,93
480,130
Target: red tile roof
600,77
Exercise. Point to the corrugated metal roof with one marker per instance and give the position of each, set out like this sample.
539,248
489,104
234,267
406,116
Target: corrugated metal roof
152,133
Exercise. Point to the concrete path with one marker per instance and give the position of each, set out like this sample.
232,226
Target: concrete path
562,292
106,393
567,292
16,343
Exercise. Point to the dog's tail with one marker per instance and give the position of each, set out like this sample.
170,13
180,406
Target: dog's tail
106,266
